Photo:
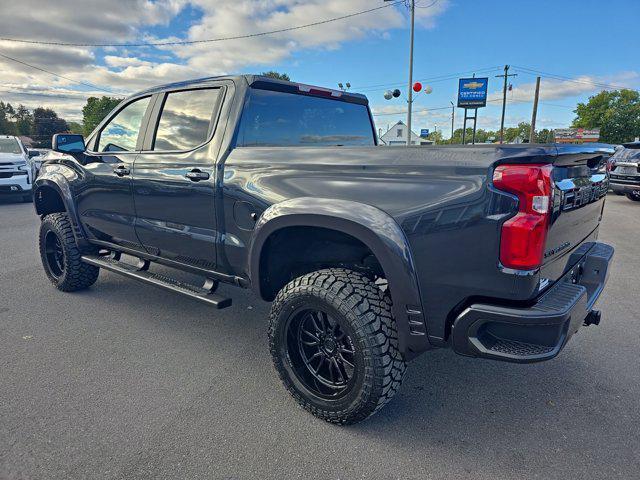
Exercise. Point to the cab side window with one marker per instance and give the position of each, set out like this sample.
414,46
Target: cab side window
185,119
122,132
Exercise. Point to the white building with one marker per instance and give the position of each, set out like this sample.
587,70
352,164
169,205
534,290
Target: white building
397,136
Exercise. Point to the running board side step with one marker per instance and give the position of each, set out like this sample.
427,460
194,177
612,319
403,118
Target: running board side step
141,274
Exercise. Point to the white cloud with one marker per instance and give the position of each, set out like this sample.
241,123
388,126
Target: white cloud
130,69
551,89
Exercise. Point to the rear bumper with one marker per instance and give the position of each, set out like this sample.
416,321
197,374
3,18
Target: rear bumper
538,332
624,188
624,183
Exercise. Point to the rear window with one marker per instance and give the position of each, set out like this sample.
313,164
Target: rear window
285,119
9,145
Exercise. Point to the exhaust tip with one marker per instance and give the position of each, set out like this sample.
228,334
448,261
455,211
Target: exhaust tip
593,318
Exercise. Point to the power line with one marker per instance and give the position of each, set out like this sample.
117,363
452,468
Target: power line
488,101
86,84
439,78
531,71
43,94
193,42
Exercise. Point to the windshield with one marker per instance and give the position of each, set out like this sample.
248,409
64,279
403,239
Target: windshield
9,145
286,119
627,155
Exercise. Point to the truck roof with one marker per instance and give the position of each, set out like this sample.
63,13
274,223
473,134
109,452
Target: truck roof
267,83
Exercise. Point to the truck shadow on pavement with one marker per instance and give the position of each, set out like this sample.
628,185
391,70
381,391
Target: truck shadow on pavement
443,394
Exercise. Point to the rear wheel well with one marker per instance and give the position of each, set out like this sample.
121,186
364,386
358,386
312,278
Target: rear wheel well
291,252
48,200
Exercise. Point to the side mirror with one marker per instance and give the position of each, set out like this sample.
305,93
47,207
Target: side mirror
68,143
33,153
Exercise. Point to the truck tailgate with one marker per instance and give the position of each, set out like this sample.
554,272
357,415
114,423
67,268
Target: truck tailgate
580,188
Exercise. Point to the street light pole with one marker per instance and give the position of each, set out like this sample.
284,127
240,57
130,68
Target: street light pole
412,9
413,12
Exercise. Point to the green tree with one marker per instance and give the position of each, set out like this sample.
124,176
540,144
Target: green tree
95,110
46,123
23,121
544,136
277,75
7,127
616,113
482,136
75,127
512,133
436,137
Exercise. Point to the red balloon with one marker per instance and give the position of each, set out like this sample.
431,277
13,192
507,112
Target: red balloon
417,87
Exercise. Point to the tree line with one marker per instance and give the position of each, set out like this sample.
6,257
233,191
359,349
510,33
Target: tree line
40,124
615,112
520,132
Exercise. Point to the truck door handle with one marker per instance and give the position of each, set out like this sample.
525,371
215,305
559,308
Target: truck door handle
196,175
121,170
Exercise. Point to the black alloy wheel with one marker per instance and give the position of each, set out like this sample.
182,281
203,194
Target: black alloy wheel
634,195
322,354
54,254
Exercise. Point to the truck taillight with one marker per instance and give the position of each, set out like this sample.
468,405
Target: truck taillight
523,236
611,165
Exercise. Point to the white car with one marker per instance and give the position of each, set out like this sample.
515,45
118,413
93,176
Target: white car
16,171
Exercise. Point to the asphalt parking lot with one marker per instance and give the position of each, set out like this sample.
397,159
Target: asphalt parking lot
127,381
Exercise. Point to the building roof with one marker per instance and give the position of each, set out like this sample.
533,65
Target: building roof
389,134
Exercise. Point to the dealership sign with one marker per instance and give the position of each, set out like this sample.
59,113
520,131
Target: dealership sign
576,135
472,92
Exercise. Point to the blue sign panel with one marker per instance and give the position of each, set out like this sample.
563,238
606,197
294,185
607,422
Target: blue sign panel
472,92
424,132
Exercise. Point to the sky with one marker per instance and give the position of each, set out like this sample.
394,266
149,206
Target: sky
579,47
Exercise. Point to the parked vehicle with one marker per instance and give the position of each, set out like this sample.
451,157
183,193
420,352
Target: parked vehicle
624,169
370,255
37,157
16,174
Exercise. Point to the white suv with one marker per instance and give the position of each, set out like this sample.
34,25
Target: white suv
16,173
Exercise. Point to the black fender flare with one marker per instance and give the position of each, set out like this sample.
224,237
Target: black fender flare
373,227
60,184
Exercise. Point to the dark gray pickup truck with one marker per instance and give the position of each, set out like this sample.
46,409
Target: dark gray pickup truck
371,255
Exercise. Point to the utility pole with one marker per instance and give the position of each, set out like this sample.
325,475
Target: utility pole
506,75
453,116
532,135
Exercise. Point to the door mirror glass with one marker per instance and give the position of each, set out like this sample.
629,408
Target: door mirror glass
33,153
68,143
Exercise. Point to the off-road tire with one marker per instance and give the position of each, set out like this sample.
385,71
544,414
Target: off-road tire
366,311
75,275
634,197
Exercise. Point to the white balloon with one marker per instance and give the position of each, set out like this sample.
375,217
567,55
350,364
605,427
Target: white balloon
428,89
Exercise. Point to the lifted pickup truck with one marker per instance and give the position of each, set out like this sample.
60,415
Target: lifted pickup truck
371,255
